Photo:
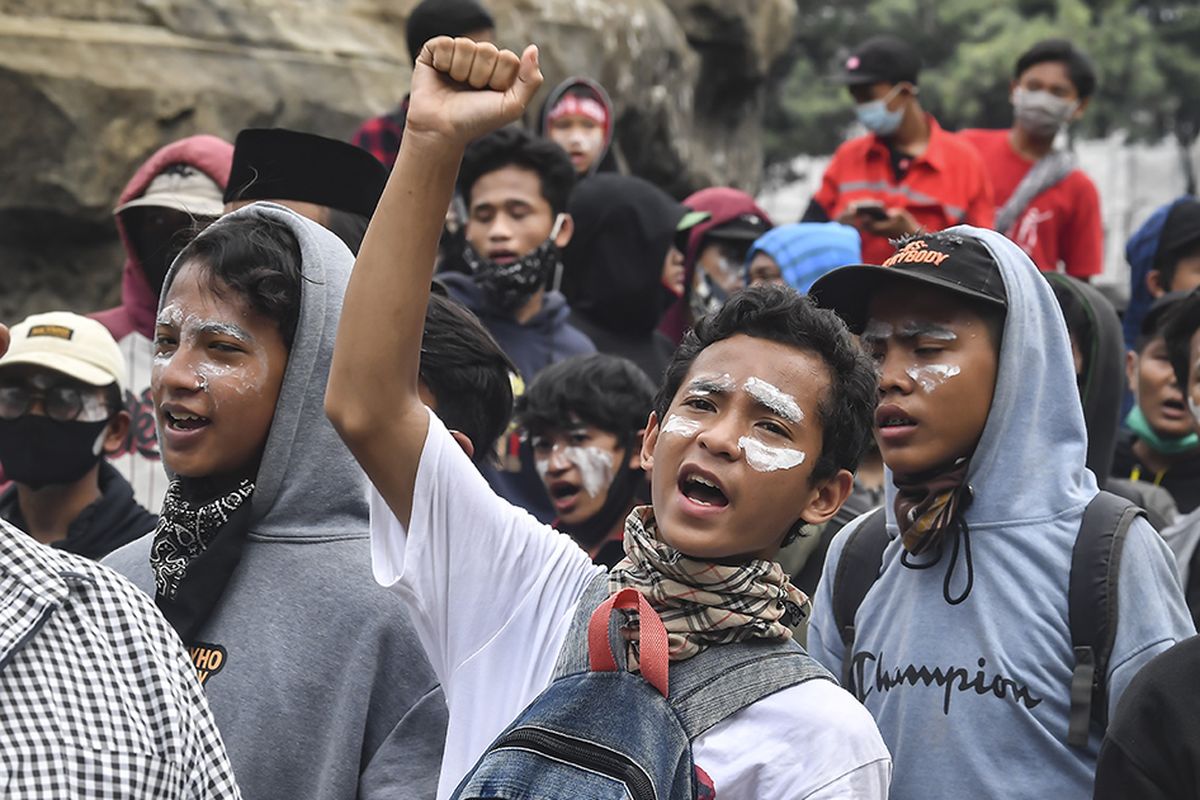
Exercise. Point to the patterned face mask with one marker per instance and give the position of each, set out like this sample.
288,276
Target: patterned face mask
507,286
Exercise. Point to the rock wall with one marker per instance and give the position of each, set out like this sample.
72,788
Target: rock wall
90,88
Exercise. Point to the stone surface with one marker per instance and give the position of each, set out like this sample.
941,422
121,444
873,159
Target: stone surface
90,88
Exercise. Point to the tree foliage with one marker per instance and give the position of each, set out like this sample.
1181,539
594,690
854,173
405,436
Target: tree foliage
1147,55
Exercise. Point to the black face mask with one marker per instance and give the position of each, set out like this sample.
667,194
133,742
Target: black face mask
38,451
508,286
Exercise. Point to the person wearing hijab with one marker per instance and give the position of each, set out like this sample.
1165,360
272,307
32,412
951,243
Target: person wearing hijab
797,255
613,266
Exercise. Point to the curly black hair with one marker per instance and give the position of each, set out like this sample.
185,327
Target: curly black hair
258,259
779,314
605,391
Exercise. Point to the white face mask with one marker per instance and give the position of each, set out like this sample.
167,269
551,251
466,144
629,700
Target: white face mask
1040,113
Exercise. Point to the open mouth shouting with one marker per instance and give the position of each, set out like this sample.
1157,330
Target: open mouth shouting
1173,410
700,492
181,425
564,496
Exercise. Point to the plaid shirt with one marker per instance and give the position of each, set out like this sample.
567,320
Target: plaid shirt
380,136
97,697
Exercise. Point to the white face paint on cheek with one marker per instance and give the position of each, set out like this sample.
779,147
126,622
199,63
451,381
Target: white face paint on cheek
774,398
932,376
679,426
767,458
1195,409
595,467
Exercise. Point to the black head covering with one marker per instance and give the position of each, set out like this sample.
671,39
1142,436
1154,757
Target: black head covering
433,18
1094,323
278,164
612,273
1180,233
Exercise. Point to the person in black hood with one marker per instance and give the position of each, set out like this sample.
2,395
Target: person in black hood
578,117
585,418
61,409
612,276
1095,332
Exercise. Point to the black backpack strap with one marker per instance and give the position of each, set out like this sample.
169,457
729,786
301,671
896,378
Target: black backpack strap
857,571
1092,608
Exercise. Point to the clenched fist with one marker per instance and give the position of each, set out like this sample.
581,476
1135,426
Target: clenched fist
462,89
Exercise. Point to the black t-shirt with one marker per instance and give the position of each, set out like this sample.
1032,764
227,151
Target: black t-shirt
1152,749
1182,480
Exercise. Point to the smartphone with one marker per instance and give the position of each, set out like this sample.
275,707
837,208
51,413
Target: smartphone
871,210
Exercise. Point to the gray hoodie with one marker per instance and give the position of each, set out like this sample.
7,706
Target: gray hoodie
313,671
973,697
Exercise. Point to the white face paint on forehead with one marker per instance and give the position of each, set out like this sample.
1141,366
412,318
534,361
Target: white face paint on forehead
190,327
710,385
774,398
931,376
769,458
878,330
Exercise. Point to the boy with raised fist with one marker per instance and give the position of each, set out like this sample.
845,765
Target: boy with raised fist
761,418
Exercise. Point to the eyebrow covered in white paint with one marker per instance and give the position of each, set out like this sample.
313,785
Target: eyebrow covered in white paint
772,397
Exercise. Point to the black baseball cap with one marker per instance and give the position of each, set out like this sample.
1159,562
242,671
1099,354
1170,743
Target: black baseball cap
746,227
280,164
881,59
956,263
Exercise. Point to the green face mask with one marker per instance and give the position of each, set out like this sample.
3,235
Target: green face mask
1136,422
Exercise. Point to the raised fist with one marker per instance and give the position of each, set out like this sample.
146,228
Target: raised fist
462,89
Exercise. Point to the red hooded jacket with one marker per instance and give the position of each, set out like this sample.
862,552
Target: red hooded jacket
132,322
725,205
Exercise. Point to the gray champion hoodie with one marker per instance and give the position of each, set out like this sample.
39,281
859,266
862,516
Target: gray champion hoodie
313,671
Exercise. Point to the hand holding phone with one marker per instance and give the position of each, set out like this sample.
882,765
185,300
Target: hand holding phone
871,210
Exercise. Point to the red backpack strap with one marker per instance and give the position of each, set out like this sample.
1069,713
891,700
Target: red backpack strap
652,636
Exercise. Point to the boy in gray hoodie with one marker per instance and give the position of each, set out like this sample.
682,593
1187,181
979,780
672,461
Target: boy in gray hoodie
962,646
261,557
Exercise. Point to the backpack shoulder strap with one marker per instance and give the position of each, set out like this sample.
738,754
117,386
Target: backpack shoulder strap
1092,608
573,657
707,688
725,678
857,571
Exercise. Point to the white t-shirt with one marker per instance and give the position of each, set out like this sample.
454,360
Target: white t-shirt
493,592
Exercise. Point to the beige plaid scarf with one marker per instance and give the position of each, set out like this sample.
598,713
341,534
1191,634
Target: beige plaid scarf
702,603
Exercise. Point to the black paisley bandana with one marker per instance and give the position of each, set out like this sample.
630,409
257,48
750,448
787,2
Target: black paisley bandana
507,286
196,546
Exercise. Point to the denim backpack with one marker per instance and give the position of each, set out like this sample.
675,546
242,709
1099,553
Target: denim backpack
601,732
